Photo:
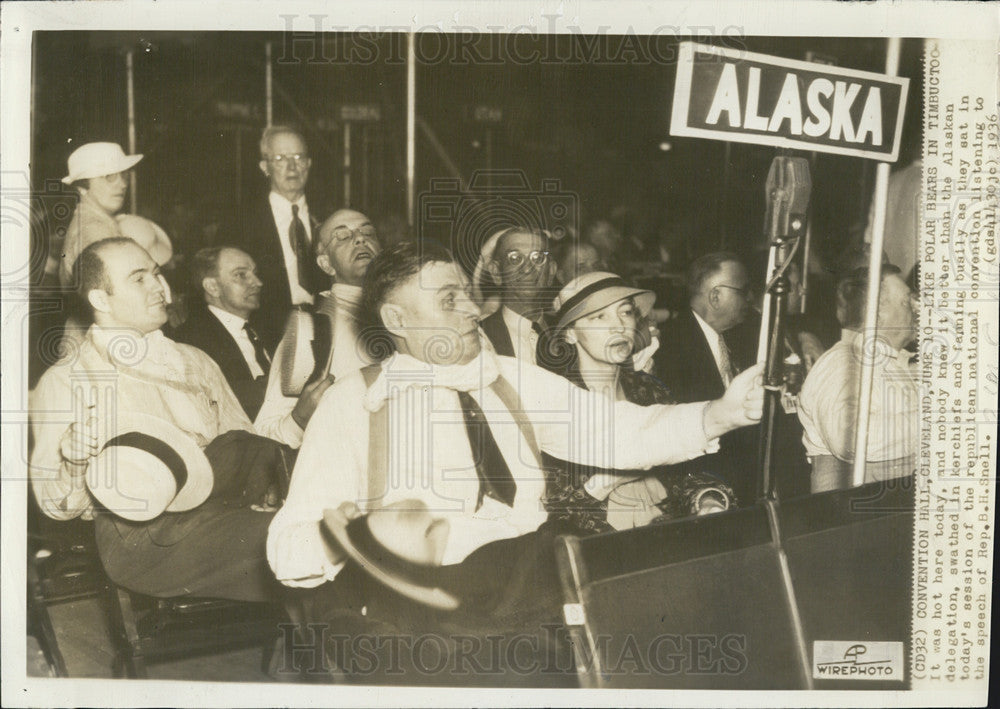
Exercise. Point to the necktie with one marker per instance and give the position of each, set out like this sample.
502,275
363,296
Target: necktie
263,359
495,479
725,364
300,244
534,339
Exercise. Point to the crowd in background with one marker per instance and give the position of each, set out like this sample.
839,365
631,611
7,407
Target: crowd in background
291,324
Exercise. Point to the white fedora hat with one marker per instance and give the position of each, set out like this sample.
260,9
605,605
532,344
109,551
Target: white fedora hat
148,235
97,160
148,467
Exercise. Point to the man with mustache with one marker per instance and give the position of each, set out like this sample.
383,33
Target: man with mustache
321,346
126,366
227,279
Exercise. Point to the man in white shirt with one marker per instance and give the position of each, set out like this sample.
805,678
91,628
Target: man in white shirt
435,393
125,365
828,402
324,342
227,279
278,234
522,266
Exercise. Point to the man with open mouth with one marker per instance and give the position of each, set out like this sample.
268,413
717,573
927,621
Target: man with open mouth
321,345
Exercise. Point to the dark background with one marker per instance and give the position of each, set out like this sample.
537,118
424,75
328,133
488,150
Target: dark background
588,112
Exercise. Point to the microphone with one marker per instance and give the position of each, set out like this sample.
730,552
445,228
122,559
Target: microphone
788,188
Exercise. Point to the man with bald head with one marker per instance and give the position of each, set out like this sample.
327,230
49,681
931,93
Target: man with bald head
321,346
521,265
126,368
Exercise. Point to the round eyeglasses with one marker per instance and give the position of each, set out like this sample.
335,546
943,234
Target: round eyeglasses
345,233
745,291
516,259
296,159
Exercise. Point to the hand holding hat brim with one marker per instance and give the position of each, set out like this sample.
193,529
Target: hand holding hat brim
353,538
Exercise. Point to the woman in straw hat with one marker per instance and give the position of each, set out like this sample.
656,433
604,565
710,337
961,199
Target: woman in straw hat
99,172
592,342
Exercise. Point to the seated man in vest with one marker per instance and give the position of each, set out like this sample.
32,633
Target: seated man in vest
445,421
321,346
227,279
522,268
126,368
828,402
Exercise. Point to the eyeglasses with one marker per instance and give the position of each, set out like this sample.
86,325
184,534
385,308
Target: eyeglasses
345,233
287,160
745,291
516,259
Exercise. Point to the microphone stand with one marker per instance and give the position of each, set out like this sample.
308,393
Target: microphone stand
773,374
788,187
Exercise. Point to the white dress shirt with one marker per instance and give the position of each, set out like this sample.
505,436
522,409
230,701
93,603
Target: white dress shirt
522,336
713,344
430,458
828,402
113,373
281,208
234,326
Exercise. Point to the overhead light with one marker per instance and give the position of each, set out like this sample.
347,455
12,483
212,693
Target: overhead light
665,146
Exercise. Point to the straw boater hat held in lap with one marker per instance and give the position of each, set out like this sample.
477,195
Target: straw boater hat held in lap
148,466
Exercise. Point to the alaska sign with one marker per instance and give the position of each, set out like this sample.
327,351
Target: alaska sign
725,94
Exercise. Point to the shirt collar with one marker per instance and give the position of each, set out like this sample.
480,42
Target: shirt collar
514,321
232,322
281,204
348,297
857,340
710,333
128,347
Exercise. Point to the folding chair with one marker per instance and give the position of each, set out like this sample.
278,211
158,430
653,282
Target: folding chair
147,630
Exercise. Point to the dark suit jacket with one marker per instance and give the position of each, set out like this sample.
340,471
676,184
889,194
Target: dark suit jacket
684,361
497,333
685,364
256,233
204,331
